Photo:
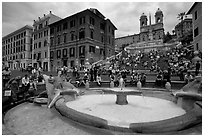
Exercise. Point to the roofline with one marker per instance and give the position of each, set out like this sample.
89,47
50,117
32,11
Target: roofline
18,30
66,17
48,16
112,23
77,14
194,4
126,36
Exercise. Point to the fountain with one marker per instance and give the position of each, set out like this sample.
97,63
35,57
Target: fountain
128,112
123,109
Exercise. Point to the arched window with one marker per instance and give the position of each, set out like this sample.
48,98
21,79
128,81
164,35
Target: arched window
158,20
143,23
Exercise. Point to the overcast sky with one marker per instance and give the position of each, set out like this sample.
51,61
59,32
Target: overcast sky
124,15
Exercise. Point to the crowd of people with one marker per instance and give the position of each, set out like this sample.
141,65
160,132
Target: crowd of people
164,63
174,62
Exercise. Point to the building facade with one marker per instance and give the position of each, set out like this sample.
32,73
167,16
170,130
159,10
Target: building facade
83,37
183,27
196,11
149,37
41,41
16,48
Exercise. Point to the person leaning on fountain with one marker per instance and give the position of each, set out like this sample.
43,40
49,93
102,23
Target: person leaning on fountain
58,87
98,80
188,77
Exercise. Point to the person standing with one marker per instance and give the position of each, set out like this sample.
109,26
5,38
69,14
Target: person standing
95,73
197,68
25,84
143,79
92,73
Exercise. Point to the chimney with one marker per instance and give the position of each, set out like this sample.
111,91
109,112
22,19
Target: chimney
34,20
50,12
39,18
44,15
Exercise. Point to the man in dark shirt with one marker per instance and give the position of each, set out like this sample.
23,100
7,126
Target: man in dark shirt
95,73
197,68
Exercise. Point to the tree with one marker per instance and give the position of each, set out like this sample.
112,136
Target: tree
167,37
181,15
187,37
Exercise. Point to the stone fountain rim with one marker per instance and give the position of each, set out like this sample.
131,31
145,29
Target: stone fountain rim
190,118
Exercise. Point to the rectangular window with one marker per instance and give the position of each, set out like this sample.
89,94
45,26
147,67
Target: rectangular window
45,33
82,20
58,54
92,49
65,26
109,40
82,51
64,52
72,52
51,41
73,36
46,23
39,45
92,21
39,56
196,16
102,26
72,63
65,38
81,34
45,54
40,26
72,23
52,31
45,43
51,54
196,32
59,28
58,40
101,51
92,34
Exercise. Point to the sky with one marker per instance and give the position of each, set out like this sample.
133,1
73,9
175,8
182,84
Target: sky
124,15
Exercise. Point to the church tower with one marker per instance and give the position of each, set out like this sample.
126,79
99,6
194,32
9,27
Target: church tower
143,20
158,16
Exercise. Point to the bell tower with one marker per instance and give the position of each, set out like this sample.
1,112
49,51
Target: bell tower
143,20
158,16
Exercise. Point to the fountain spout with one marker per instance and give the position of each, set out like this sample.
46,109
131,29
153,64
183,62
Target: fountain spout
121,83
